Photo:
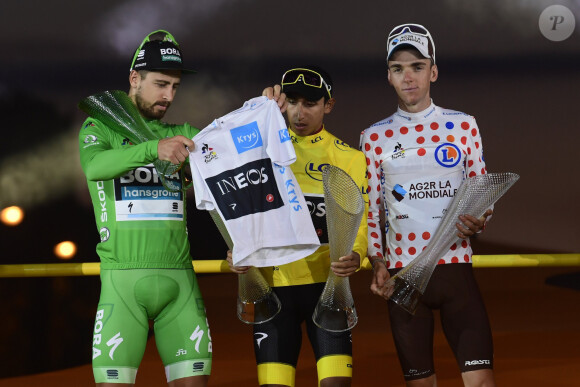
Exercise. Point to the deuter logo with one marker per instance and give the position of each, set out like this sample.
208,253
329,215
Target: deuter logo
448,155
252,187
246,137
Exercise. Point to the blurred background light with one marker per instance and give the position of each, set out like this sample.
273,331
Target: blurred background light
65,250
12,216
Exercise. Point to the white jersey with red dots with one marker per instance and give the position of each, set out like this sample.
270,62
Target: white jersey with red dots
416,162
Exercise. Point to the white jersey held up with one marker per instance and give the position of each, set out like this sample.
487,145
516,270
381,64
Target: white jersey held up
240,168
416,163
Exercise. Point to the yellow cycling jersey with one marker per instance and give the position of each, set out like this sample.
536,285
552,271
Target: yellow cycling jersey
313,153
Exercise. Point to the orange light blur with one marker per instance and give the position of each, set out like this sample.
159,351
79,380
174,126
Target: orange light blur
12,216
65,250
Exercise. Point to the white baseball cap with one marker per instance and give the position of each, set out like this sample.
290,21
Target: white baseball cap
414,35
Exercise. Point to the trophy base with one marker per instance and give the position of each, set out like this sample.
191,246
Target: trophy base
258,312
335,319
405,295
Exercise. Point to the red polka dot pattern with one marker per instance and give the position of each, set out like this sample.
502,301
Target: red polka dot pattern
421,136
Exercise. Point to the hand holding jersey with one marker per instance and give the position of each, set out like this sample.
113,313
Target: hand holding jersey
174,149
146,270
299,284
116,110
239,167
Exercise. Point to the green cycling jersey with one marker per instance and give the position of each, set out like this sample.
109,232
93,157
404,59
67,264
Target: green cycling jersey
140,223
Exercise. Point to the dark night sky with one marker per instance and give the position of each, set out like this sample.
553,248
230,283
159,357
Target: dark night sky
494,64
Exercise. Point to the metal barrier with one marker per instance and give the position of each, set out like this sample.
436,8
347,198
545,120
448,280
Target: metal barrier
221,266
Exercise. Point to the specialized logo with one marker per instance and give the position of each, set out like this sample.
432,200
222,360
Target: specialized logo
261,336
251,187
114,342
314,171
399,192
198,366
246,137
447,155
401,217
112,374
208,153
196,337
284,135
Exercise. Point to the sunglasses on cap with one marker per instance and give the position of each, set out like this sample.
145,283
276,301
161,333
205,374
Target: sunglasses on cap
416,29
307,76
159,35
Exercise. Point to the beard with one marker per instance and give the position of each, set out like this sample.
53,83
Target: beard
148,109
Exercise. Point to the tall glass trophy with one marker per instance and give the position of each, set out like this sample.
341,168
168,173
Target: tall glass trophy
256,302
474,197
335,310
116,110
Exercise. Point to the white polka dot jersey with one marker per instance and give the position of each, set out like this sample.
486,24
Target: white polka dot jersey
416,162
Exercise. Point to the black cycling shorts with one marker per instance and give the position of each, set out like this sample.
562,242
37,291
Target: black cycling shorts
278,341
453,290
